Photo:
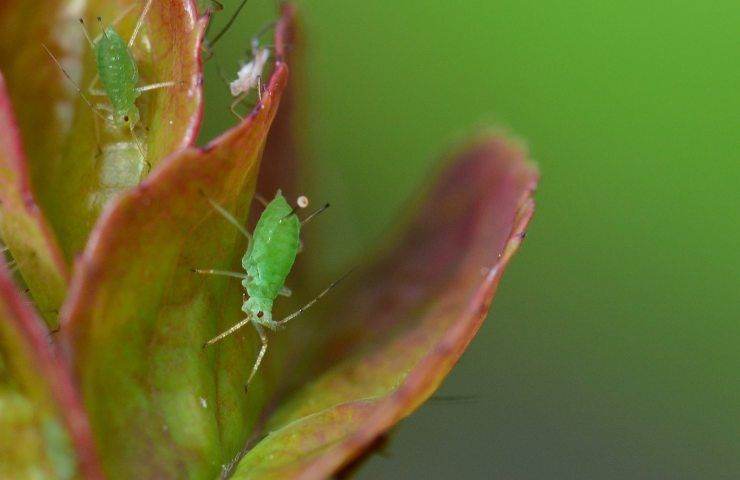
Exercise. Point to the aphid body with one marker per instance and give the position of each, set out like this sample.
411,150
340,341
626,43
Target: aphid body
119,76
249,75
269,259
272,250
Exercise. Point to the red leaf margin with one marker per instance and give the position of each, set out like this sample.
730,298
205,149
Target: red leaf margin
57,373
493,159
21,194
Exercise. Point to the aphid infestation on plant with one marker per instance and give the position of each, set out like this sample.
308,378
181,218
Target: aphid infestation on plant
116,81
269,258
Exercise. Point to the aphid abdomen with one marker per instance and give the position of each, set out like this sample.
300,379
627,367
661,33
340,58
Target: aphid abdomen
274,248
117,70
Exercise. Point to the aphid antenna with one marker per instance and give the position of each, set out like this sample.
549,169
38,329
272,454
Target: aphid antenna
232,19
314,213
301,202
262,31
77,87
86,33
100,25
333,284
455,398
115,21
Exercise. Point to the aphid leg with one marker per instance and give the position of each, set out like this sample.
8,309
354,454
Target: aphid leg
94,91
260,356
155,86
139,23
228,332
285,291
236,102
230,218
224,273
139,146
290,317
259,87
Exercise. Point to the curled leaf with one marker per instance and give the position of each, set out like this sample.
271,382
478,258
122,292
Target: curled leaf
43,430
137,317
407,320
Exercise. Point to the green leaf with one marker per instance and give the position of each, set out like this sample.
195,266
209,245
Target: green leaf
137,316
23,227
43,430
400,326
73,170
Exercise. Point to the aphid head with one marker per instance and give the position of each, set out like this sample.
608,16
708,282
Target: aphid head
127,119
260,309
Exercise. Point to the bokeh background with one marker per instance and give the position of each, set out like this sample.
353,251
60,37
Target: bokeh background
613,346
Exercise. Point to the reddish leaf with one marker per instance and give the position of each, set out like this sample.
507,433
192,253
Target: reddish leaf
74,173
22,225
43,430
411,315
160,406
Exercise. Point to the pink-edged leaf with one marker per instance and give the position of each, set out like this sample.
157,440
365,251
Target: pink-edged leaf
161,406
77,161
44,432
23,227
392,338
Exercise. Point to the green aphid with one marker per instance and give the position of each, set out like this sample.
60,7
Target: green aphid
269,258
118,74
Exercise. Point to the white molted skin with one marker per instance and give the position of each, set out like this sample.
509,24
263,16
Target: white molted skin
248,76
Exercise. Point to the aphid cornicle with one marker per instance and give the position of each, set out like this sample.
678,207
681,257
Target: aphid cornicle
269,258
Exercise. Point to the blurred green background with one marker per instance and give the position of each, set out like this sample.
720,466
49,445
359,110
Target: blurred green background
612,350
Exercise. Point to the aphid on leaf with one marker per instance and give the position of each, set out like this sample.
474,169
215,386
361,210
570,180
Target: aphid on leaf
118,74
272,250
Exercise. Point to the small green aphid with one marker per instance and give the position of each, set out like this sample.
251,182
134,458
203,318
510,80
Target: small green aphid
272,250
118,74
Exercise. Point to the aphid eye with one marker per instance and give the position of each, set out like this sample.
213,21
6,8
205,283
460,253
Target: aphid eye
260,314
125,118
